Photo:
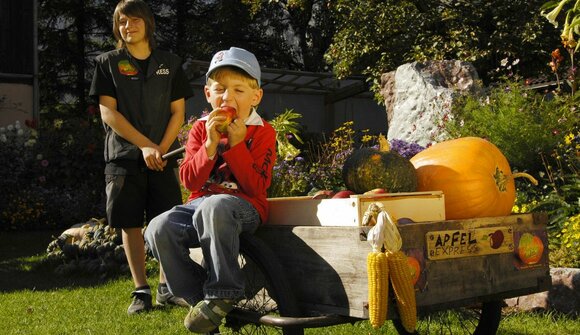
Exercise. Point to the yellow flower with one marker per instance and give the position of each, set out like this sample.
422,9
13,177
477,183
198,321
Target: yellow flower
551,16
568,138
58,123
567,35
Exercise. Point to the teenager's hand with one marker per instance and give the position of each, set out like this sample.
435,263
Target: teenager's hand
153,159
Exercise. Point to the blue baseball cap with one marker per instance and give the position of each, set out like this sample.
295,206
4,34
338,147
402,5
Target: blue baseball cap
239,58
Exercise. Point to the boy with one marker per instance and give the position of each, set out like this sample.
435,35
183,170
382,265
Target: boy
141,92
228,175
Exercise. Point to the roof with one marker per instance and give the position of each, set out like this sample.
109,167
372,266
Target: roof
297,82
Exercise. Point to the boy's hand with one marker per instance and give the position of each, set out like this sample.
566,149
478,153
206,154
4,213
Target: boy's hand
213,135
236,132
214,122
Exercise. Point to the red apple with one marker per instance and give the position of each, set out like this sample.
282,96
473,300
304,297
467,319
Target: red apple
343,194
496,239
376,191
323,194
230,113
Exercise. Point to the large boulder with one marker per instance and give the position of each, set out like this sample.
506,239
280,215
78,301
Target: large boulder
418,97
563,296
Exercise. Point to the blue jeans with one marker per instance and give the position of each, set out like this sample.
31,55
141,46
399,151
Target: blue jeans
213,223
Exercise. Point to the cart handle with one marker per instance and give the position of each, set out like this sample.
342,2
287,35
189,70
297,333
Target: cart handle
173,153
288,321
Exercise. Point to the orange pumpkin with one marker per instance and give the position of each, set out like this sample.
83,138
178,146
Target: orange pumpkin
473,174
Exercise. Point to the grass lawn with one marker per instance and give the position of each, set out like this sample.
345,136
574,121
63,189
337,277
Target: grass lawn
34,300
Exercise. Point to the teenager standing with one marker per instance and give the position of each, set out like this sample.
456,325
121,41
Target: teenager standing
141,92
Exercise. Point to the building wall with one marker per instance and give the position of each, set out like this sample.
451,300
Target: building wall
317,118
16,61
16,102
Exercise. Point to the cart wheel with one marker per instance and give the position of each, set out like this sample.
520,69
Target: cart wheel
479,320
268,292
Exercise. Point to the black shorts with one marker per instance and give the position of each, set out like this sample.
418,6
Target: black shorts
134,199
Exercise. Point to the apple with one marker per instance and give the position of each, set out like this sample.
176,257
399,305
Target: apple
376,191
530,248
415,268
230,113
496,239
323,194
343,194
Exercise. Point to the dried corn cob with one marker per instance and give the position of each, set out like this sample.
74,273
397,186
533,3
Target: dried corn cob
401,280
378,276
400,273
378,281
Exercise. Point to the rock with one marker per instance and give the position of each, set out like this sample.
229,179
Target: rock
418,97
563,296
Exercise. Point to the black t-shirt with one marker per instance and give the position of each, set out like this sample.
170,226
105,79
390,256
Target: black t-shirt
180,86
143,96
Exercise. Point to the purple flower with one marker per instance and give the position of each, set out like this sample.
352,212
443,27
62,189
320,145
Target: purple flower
405,148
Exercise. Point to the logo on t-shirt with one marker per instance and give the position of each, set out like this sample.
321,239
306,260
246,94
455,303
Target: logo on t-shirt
126,68
161,72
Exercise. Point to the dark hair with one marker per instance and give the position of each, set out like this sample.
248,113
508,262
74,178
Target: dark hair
134,8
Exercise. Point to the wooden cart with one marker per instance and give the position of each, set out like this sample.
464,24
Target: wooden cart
304,275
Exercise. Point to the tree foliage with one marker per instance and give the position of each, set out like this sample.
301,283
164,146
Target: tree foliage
70,34
346,37
283,34
374,37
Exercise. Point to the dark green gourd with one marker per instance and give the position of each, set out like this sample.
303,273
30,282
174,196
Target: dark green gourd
367,169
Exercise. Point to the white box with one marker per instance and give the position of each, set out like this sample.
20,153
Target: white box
305,211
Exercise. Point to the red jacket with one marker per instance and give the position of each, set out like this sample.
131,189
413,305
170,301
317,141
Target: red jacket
248,164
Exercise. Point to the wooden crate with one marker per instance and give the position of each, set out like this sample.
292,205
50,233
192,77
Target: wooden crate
347,212
327,265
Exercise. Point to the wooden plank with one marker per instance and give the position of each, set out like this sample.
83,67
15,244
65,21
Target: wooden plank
327,265
444,244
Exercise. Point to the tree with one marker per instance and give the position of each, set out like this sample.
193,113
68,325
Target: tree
292,34
71,32
374,37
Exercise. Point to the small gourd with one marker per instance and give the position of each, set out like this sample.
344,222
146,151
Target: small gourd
367,169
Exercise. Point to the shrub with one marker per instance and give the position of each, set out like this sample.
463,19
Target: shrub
561,181
522,123
182,139
320,165
567,253
55,176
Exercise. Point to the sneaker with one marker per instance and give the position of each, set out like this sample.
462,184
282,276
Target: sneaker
141,303
167,298
207,315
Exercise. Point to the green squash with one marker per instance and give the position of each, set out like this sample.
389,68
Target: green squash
367,169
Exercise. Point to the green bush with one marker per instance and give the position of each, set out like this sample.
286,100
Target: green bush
567,253
522,123
55,175
319,167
